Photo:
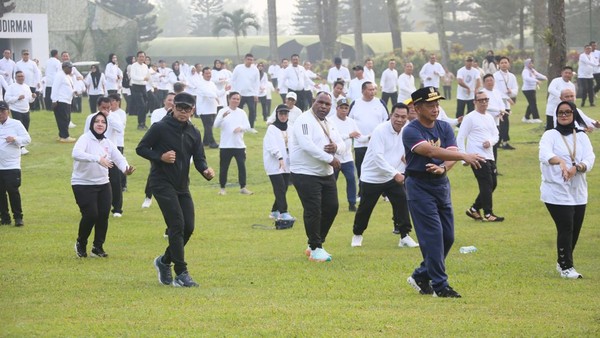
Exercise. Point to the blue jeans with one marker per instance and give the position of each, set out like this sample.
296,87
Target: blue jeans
348,171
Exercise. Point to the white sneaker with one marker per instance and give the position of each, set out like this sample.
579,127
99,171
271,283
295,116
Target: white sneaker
253,131
222,192
319,255
72,125
536,121
524,120
558,268
245,191
147,203
408,242
274,215
24,151
356,240
570,273
117,214
386,199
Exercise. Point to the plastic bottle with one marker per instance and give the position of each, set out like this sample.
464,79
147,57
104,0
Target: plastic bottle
467,249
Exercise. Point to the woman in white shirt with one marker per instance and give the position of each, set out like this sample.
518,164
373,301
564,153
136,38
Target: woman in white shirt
262,91
277,161
113,75
566,155
95,84
233,122
531,81
93,154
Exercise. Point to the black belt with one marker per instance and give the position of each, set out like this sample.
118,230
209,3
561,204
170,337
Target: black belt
424,175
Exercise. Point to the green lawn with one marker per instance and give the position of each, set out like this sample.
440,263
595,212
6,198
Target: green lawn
257,282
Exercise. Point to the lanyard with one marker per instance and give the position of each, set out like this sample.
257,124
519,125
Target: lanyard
573,153
323,125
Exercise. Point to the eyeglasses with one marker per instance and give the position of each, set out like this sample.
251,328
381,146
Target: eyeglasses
186,109
483,100
565,113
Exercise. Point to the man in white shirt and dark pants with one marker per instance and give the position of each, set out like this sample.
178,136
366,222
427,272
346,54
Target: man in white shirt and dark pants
479,131
368,112
53,67
33,76
19,96
389,82
406,83
13,136
468,82
139,75
383,173
62,97
587,62
207,101
312,162
246,81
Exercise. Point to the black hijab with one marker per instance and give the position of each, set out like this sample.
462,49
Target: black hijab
98,136
280,125
176,71
568,129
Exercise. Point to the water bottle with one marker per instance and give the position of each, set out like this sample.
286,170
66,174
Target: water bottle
467,249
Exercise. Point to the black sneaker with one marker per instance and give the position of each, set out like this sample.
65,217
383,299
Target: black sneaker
19,222
492,218
80,250
5,222
474,214
396,232
507,146
164,271
422,286
98,252
446,292
352,208
184,280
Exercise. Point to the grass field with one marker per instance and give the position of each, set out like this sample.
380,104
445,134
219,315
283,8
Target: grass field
257,282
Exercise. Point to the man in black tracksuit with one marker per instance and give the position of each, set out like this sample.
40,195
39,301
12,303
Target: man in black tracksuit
169,144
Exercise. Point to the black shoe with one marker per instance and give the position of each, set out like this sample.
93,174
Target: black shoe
142,127
352,208
213,145
592,104
474,214
98,252
5,222
396,232
164,271
492,218
80,250
446,292
19,222
184,280
507,146
422,286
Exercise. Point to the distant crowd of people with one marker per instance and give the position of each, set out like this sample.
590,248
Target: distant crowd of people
326,125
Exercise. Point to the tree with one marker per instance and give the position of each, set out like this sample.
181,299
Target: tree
237,22
540,25
272,15
139,10
556,37
327,11
6,7
205,12
491,20
395,25
304,17
358,40
441,30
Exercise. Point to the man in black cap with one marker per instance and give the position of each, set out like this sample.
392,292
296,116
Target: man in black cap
431,151
170,144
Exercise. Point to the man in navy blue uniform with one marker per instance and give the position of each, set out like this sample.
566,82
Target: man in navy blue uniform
431,151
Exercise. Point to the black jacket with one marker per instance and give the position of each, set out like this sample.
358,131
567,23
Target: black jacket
170,134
